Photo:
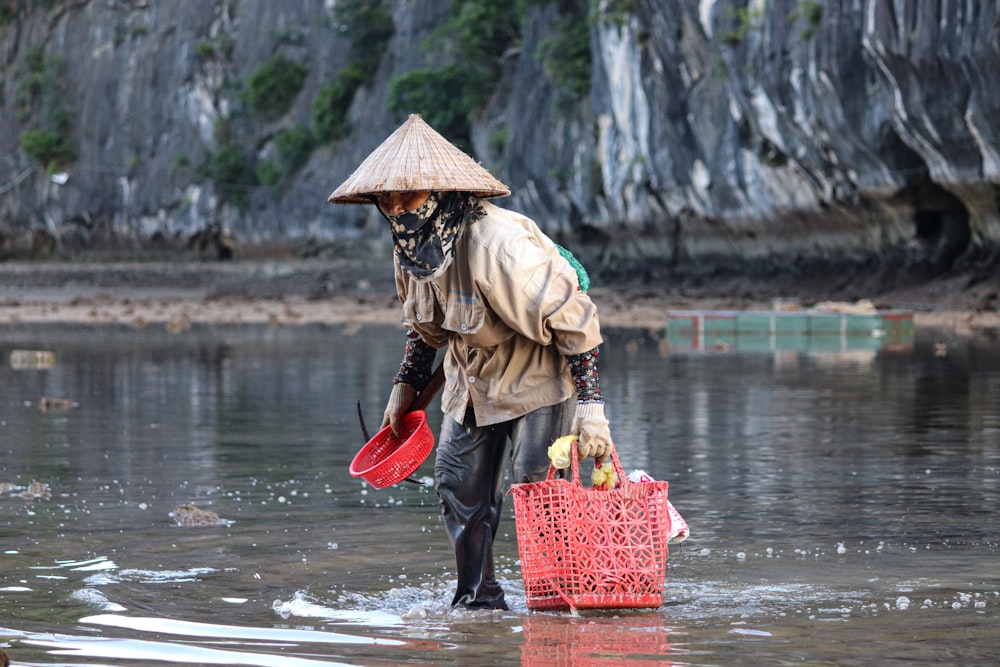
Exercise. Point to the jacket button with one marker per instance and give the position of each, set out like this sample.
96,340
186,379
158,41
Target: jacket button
464,327
419,317
472,380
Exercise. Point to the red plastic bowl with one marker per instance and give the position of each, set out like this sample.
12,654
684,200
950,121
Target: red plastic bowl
388,458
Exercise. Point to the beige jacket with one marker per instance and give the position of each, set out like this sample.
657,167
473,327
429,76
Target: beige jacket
509,311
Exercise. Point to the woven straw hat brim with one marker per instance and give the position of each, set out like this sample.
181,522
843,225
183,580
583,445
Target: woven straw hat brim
417,157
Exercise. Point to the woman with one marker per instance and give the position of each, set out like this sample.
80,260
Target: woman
521,337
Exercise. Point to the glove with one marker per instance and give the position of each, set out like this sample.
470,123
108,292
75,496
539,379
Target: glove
592,426
400,400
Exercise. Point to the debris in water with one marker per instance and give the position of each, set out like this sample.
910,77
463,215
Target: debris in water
46,403
860,307
751,632
34,490
189,515
417,611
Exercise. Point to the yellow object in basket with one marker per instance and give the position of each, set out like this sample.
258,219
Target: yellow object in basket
604,477
560,451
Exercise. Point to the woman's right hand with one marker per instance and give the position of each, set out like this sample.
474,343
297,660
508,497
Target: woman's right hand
400,400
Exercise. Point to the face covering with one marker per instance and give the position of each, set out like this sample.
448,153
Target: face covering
425,237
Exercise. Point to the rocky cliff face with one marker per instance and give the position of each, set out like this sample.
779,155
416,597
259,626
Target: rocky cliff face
713,130
803,128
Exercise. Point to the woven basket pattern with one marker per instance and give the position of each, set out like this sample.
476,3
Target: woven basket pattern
389,458
586,548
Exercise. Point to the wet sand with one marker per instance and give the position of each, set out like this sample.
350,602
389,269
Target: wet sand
177,295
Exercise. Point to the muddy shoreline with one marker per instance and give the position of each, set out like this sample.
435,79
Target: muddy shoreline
178,294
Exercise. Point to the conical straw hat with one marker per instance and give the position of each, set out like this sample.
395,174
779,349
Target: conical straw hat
417,157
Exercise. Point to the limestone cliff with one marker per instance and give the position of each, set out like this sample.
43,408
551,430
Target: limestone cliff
779,130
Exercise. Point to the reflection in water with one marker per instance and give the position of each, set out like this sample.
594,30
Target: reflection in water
835,500
561,641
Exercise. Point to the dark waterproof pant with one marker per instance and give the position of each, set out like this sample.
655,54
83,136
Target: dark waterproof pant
468,474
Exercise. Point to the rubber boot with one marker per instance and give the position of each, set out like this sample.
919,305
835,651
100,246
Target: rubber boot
466,480
468,474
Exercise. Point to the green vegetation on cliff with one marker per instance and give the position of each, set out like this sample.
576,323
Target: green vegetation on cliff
370,28
476,41
44,102
271,90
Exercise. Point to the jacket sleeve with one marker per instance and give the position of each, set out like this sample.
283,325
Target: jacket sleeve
418,360
535,291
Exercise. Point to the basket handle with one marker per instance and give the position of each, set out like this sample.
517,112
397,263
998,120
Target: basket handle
574,457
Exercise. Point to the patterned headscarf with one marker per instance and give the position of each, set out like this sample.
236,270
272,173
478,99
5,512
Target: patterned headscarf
425,237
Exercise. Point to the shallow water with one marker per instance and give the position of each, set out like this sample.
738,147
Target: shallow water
842,506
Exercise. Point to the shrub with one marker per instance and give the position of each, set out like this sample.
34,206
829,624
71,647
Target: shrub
329,109
812,12
294,146
267,172
618,11
8,12
566,55
47,147
370,27
744,19
475,39
478,33
42,95
480,30
232,172
498,140
205,50
441,97
273,87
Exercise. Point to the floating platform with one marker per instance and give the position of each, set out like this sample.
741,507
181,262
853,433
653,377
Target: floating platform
32,359
774,331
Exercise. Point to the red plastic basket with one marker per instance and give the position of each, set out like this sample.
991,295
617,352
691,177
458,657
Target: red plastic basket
587,548
389,458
